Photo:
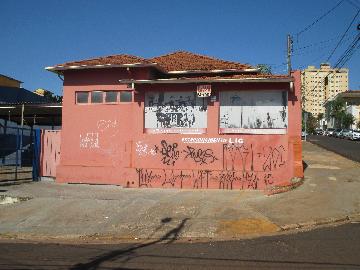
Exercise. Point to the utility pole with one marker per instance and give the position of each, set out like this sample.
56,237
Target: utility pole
289,49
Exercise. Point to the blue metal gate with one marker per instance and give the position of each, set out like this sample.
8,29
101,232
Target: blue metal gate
16,153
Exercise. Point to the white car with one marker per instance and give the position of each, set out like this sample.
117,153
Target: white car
329,132
347,134
355,135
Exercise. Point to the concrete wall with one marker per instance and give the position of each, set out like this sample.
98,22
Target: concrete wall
354,110
108,143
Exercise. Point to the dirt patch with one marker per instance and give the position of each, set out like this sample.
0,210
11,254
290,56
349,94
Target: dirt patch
246,226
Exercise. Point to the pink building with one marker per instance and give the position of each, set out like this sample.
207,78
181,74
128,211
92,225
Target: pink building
179,120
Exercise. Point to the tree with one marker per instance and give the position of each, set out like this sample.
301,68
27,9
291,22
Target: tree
347,120
337,110
264,69
52,97
311,122
319,117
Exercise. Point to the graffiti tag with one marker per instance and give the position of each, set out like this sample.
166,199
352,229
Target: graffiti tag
200,156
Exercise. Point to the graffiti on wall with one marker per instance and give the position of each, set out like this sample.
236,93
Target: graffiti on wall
103,125
175,110
169,152
89,140
143,149
200,155
198,179
253,110
243,166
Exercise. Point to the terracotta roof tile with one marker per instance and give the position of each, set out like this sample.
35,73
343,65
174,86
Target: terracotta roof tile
176,61
182,60
119,59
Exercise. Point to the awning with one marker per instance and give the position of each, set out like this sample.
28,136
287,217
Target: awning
34,114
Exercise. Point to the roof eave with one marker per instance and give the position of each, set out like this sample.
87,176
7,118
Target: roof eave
247,70
61,69
226,80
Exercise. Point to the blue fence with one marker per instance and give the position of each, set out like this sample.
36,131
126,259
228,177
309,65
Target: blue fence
17,153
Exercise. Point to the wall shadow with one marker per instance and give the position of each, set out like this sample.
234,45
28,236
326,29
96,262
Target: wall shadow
129,253
305,165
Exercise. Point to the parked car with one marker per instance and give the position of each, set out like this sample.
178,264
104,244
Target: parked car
319,131
355,135
303,134
342,133
347,133
336,133
329,131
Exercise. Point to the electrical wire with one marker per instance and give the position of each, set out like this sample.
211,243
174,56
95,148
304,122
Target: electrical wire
343,59
314,50
317,43
318,19
337,45
353,4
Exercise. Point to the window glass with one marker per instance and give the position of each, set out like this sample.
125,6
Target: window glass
111,96
125,96
175,112
253,111
97,97
82,97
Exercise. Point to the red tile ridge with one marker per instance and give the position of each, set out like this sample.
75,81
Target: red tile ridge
116,59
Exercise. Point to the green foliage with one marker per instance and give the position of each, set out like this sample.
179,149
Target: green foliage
320,116
311,122
52,97
337,110
347,120
264,68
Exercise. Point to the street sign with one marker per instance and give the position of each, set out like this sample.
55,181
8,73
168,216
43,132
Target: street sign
203,90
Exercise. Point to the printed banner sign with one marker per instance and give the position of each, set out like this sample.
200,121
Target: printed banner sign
203,90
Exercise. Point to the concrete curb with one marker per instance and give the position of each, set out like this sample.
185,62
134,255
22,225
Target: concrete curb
295,182
326,221
109,238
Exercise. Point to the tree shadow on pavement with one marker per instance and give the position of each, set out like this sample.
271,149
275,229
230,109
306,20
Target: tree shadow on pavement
129,253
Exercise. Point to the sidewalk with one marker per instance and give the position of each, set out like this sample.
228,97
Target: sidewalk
330,192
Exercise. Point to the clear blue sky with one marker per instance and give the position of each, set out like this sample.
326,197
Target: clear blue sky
35,34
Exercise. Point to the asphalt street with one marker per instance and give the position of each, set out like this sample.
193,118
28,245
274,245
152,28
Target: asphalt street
346,148
323,248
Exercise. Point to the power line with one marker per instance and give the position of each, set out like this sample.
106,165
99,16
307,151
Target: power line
317,43
343,59
349,52
314,61
354,4
318,19
337,45
312,50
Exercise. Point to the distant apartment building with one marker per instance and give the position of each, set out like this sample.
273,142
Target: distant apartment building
321,84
